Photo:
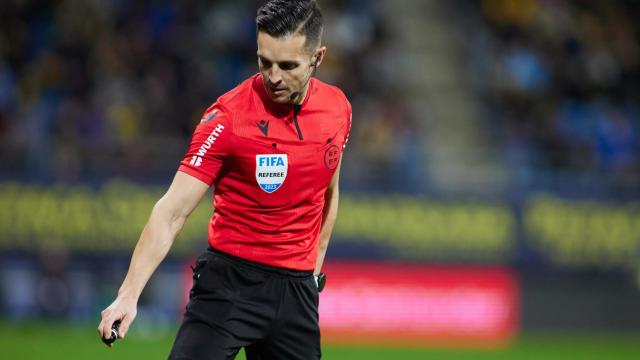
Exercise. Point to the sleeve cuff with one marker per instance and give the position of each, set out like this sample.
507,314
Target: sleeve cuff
196,174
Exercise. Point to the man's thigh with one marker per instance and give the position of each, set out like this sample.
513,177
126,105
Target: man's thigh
297,334
197,340
294,348
227,310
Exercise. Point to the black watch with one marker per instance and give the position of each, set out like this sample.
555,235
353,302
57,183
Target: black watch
321,280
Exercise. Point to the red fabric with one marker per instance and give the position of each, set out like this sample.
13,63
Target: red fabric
279,228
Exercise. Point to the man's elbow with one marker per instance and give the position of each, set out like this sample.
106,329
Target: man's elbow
169,215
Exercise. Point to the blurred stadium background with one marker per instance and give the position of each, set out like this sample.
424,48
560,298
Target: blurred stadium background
490,189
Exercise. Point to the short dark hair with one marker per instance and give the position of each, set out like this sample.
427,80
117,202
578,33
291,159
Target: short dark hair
280,18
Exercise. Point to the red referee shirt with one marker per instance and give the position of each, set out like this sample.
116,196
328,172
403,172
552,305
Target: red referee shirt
270,164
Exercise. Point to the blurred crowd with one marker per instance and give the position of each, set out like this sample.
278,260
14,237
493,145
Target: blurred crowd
564,87
90,90
95,89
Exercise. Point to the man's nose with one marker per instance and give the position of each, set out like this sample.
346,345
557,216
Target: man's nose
275,75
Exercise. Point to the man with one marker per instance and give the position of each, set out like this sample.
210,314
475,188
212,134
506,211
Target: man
272,149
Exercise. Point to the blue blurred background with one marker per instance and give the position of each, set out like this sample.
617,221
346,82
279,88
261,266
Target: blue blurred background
486,133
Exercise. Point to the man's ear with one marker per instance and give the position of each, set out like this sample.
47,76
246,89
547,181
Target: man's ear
319,56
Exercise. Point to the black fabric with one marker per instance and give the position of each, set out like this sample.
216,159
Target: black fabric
271,312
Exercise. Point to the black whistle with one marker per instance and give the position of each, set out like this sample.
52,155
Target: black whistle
114,333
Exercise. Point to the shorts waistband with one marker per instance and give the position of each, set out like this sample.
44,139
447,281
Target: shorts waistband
273,270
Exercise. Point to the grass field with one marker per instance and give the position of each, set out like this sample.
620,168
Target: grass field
40,341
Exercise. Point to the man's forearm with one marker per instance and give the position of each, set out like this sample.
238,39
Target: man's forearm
329,219
152,247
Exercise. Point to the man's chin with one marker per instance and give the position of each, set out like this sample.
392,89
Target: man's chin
280,99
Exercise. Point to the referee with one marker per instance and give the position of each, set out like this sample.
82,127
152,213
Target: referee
271,147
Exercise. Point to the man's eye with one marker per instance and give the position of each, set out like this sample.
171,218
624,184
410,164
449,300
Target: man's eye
288,66
265,64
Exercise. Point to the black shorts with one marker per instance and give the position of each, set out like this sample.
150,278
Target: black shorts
271,312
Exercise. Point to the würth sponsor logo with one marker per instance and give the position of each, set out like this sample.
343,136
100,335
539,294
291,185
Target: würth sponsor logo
196,160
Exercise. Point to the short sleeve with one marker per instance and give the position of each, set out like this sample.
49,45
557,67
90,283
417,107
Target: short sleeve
210,145
349,116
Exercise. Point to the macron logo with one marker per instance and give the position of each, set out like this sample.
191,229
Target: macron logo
196,160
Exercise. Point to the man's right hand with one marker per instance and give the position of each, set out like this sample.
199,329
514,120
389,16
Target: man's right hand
123,310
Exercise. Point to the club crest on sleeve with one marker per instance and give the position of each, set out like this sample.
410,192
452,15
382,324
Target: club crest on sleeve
271,170
209,116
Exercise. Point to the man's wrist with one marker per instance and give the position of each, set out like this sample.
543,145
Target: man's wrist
128,294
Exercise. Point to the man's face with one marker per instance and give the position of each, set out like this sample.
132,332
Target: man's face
285,65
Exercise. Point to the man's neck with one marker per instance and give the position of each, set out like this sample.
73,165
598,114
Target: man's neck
301,96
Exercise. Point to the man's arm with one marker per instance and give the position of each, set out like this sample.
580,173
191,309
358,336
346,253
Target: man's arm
165,223
329,215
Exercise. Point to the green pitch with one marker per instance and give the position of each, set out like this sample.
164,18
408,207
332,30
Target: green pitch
45,341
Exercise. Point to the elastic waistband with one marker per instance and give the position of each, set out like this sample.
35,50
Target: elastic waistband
273,270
